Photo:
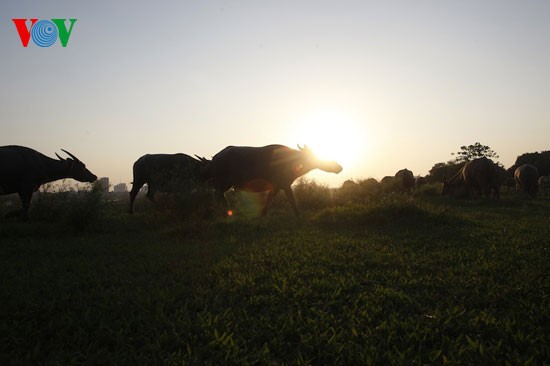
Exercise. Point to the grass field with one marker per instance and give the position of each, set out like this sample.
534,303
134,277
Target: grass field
394,280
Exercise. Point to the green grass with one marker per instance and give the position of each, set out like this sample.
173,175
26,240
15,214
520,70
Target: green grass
396,280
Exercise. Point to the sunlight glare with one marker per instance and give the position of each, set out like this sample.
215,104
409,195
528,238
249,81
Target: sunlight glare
332,134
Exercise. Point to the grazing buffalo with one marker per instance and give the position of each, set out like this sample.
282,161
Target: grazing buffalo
480,175
405,180
371,186
526,177
264,169
164,172
544,185
24,170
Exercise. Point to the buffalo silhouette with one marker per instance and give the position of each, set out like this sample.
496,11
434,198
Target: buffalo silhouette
162,172
264,169
23,170
526,177
480,175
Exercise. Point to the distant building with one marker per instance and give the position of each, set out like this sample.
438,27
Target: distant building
120,188
104,183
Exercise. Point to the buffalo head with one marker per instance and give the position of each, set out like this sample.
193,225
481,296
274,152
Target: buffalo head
311,161
204,171
76,169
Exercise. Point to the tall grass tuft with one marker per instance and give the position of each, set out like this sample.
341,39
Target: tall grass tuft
387,209
431,189
78,209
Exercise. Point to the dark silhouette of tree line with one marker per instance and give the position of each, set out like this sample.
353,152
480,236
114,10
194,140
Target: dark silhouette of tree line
444,170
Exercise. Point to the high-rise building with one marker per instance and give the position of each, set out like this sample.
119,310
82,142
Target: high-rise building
120,188
104,183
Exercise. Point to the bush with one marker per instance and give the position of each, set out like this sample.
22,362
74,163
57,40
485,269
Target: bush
8,204
362,191
311,195
432,189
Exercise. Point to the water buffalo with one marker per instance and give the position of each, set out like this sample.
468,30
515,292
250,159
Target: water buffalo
388,184
405,180
165,172
264,169
480,175
544,185
24,170
526,177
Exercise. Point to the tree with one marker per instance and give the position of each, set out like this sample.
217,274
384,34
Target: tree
540,160
443,171
440,172
474,151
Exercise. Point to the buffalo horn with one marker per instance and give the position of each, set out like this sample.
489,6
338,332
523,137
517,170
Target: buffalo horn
202,159
71,155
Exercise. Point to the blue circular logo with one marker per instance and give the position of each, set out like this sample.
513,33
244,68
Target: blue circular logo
44,33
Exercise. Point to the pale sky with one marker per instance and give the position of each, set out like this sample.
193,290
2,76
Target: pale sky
377,85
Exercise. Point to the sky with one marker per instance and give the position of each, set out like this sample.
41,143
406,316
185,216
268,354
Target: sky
376,85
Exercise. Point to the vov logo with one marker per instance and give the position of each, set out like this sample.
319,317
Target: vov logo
44,33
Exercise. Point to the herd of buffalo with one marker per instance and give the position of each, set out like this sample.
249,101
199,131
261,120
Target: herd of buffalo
256,169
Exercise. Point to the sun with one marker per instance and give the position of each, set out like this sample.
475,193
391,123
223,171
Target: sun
332,134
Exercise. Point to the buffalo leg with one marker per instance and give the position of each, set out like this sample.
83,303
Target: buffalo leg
290,197
270,196
25,197
136,186
150,193
221,199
